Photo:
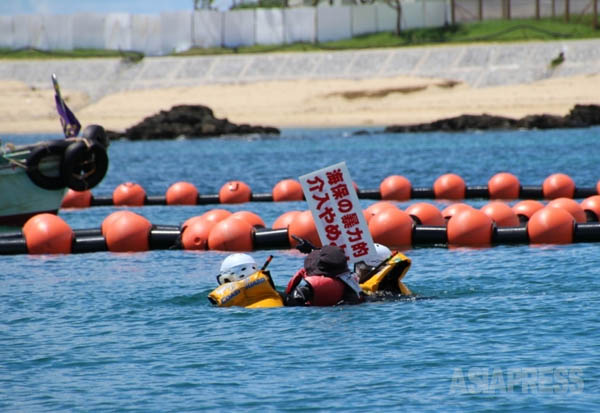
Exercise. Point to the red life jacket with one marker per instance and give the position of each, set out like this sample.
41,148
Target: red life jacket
327,291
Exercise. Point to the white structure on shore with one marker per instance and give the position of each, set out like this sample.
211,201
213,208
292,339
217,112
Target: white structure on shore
167,32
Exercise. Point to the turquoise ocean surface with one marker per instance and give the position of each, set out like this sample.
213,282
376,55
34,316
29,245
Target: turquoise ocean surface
507,328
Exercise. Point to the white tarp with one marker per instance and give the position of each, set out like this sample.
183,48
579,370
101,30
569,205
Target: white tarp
117,33
21,32
145,34
337,213
239,28
38,35
412,16
6,32
88,31
364,20
300,25
386,18
207,28
175,31
435,13
59,31
269,26
333,23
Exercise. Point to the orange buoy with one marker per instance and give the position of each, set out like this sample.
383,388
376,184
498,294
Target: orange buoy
504,185
502,214
113,217
250,217
376,208
77,199
470,227
454,209
126,232
449,186
303,226
48,234
598,187
129,194
392,227
231,234
525,209
551,226
182,193
571,206
592,205
195,232
235,192
426,214
395,187
288,190
284,220
216,215
558,186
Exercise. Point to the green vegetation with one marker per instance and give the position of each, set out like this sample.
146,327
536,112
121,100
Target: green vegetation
486,31
68,54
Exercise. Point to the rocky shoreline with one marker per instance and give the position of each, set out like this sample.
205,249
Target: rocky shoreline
191,121
579,117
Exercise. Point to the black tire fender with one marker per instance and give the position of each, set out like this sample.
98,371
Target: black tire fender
84,165
53,148
97,134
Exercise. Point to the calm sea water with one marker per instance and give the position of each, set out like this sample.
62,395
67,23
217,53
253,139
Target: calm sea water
509,328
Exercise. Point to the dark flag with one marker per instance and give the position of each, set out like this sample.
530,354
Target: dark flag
69,122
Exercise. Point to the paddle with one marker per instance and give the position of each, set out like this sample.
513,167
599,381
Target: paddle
69,122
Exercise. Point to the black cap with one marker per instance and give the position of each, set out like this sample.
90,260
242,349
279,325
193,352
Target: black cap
329,260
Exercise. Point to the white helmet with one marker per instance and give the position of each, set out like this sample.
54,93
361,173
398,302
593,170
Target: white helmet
235,267
381,253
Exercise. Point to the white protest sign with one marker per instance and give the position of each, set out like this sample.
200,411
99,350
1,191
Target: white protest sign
337,213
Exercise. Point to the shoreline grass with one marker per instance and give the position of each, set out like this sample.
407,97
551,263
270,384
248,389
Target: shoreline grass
515,30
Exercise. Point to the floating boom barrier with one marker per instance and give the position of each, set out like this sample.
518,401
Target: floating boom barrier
125,231
394,188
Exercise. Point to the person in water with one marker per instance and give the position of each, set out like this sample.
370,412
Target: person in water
236,267
325,280
367,268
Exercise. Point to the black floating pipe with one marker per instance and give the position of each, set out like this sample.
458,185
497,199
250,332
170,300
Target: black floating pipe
89,232
422,193
88,243
262,197
369,194
265,238
510,235
12,246
156,200
101,201
531,192
587,232
164,237
208,199
11,235
584,192
429,235
477,192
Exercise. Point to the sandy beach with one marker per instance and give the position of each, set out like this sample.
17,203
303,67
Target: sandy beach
302,103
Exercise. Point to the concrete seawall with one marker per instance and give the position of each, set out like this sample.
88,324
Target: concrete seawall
479,65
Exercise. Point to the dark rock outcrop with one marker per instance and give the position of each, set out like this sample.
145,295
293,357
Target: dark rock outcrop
192,121
580,116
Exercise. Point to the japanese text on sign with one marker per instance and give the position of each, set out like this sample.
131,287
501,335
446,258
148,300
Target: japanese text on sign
337,213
